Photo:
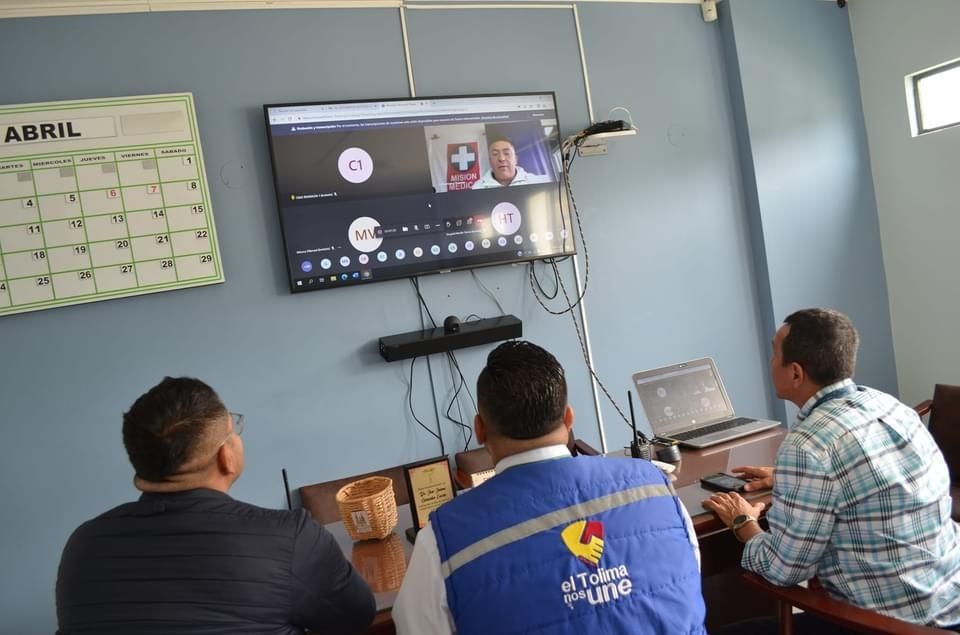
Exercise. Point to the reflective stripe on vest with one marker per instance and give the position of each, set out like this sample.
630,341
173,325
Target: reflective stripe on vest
550,520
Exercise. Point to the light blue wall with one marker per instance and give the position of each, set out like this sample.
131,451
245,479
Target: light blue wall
672,273
811,205
669,251
918,193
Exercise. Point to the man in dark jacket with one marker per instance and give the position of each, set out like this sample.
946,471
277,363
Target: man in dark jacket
187,558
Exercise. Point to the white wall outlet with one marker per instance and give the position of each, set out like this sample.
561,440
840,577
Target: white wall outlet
709,9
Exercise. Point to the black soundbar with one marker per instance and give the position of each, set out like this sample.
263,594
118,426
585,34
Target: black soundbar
430,341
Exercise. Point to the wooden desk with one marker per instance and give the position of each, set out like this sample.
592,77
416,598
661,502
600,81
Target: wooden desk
728,598
381,563
758,450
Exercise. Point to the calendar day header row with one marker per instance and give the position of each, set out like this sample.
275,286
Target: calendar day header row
95,157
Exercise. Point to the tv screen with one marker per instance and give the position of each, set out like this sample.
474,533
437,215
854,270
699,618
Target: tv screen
391,188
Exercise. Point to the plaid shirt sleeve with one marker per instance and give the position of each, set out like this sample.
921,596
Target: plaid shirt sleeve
801,520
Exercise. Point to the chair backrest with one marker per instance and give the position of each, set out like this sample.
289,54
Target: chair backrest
580,447
945,425
320,498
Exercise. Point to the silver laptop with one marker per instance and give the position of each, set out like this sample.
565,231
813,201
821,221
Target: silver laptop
688,402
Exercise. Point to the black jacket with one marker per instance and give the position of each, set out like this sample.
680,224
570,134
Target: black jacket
201,563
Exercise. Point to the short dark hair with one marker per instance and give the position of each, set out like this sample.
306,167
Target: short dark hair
164,427
824,342
494,139
522,391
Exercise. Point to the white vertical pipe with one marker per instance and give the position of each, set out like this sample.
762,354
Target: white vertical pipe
582,307
406,51
583,63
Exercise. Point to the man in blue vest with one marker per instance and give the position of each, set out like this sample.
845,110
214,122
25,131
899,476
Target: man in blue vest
552,543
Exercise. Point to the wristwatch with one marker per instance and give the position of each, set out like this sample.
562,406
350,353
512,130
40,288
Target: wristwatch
740,521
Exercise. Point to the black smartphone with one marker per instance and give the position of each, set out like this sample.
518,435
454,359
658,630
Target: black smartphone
722,483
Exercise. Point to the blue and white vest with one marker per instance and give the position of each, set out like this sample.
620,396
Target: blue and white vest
572,545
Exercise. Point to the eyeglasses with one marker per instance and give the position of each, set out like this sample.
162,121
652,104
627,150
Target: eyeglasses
237,428
237,422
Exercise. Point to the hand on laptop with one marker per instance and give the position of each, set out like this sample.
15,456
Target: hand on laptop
759,477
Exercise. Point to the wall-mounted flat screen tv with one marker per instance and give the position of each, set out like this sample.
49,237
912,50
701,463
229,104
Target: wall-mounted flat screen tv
382,189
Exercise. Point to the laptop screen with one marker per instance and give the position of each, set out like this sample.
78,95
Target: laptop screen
679,397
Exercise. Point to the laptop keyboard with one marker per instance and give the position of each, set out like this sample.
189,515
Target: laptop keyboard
717,427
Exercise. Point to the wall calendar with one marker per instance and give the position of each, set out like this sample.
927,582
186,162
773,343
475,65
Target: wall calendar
101,199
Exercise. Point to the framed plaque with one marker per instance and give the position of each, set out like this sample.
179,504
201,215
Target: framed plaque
429,485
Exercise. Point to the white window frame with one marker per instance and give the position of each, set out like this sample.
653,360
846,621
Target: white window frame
913,98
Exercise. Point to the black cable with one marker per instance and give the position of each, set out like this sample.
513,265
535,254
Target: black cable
489,293
456,363
586,359
423,303
463,384
458,422
423,307
536,279
464,428
436,410
563,219
570,155
561,183
433,389
576,216
568,162
414,413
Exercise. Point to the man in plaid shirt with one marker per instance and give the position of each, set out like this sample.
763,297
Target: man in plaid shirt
861,492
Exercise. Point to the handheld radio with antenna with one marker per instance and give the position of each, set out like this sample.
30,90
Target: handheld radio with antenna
638,438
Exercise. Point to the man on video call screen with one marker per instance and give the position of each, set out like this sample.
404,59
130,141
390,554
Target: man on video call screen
504,170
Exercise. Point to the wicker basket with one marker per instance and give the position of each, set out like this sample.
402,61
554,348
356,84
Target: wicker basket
368,507
381,563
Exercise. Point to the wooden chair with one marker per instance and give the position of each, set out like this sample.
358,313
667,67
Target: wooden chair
475,461
816,601
944,411
580,447
320,498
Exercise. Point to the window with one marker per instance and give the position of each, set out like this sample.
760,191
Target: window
933,97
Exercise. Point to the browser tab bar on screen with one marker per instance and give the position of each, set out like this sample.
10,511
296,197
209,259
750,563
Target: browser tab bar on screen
411,107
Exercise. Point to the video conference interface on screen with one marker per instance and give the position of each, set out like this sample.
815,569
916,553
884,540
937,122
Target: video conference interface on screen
378,190
674,400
